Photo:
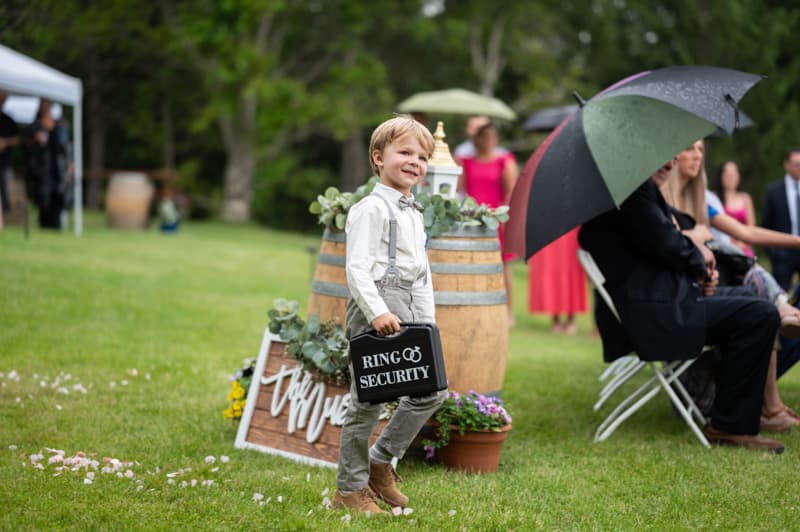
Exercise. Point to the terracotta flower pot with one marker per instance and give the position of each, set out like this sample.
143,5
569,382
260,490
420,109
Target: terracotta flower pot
474,451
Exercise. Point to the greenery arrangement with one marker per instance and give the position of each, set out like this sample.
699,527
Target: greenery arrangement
439,213
332,206
466,412
240,383
316,346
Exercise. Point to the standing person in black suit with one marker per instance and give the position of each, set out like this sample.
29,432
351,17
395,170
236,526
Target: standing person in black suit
782,213
9,137
660,283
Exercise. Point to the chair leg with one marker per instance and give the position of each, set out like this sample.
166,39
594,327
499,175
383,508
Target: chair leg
667,385
664,378
619,415
623,412
621,378
615,366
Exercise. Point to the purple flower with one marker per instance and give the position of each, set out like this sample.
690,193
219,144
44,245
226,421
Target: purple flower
429,451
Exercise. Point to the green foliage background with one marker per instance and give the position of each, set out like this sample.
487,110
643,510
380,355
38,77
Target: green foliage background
182,73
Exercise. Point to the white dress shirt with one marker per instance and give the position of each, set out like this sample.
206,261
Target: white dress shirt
367,255
791,199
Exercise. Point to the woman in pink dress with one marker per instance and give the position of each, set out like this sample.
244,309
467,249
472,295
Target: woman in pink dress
737,204
489,176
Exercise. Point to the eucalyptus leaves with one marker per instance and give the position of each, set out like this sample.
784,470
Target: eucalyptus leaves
315,345
439,213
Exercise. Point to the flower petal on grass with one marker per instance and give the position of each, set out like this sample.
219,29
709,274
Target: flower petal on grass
408,511
210,459
224,459
397,510
451,513
258,497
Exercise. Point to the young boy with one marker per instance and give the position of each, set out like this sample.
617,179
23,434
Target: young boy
382,296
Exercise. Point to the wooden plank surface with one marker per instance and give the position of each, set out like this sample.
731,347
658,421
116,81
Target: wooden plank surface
272,431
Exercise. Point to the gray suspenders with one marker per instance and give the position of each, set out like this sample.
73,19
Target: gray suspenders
391,277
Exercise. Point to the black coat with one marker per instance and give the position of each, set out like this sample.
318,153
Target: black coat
651,272
776,217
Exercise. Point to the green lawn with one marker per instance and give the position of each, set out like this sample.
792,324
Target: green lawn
150,326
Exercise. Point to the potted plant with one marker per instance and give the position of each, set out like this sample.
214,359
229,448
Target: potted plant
469,432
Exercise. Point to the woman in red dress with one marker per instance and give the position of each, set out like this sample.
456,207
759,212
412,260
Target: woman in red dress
557,284
489,176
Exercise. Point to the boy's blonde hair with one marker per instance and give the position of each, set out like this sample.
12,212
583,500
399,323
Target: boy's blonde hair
394,128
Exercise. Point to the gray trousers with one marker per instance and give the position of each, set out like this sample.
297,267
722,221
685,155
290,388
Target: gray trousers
362,418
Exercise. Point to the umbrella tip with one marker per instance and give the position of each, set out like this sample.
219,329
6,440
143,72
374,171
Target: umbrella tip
579,98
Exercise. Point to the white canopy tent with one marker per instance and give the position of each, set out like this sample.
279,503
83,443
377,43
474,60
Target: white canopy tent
19,74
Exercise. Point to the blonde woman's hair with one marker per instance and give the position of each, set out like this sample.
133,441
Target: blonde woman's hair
397,127
692,200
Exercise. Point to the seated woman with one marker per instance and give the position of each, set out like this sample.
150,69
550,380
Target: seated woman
734,202
685,190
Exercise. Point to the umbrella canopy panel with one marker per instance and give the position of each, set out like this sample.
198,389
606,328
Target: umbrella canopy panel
628,143
456,101
548,119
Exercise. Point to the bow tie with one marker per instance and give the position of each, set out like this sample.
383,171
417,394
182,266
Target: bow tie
410,202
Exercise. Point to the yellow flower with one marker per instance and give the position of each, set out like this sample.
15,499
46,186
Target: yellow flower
238,393
228,413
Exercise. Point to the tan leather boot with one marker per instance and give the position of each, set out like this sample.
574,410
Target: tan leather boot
383,481
360,501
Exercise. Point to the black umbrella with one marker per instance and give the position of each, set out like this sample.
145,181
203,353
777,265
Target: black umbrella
548,119
594,160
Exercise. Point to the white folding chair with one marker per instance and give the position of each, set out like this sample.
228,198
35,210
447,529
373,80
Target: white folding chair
665,375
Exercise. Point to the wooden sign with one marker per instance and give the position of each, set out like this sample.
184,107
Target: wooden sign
291,414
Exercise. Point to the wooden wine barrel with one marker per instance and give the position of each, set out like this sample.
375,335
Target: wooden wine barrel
329,287
470,296
128,200
471,312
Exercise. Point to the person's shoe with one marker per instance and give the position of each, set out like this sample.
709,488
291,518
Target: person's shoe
780,421
742,440
360,501
383,480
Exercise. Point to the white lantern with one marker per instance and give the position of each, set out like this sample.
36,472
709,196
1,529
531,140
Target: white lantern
443,172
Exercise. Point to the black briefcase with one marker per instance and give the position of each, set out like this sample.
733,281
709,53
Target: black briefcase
407,363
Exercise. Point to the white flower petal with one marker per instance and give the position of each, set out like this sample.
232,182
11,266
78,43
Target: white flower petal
210,459
408,511
451,513
397,510
87,481
224,459
258,497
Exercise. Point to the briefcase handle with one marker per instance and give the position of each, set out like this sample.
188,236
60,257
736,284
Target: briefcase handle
404,325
